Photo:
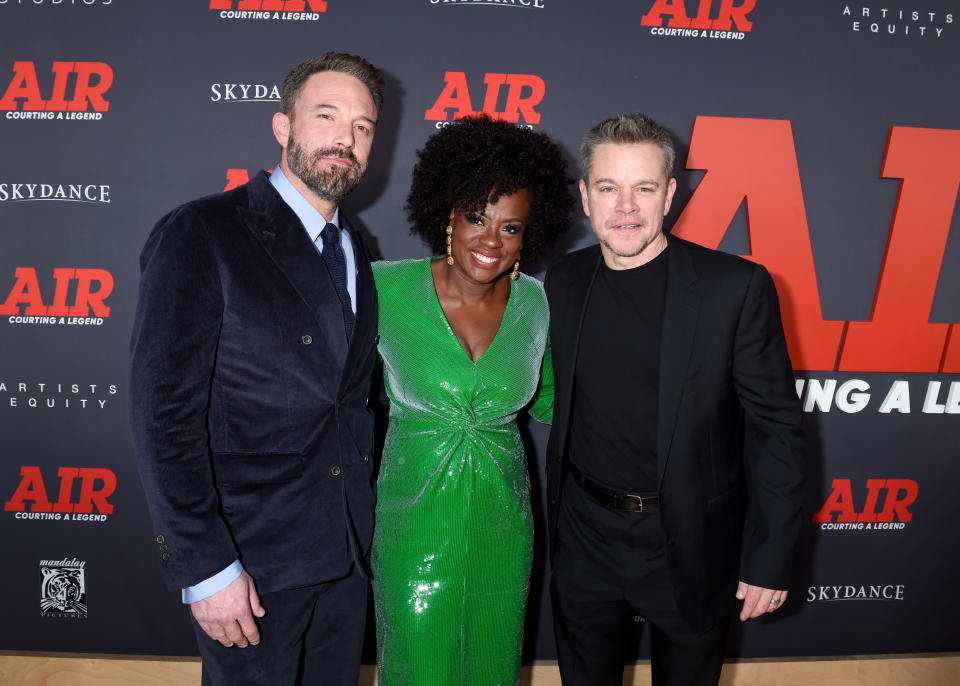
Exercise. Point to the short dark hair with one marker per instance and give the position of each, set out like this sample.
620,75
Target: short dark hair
476,160
624,130
342,62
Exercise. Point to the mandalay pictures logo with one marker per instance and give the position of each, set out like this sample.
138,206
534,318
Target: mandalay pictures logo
269,10
63,588
891,22
507,97
78,91
711,20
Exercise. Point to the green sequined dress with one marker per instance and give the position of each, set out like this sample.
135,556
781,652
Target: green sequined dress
454,531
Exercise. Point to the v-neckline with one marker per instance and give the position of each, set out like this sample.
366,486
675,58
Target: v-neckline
443,315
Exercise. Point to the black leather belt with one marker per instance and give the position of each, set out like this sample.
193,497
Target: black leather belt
629,502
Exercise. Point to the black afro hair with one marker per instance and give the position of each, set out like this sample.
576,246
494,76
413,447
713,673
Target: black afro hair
473,161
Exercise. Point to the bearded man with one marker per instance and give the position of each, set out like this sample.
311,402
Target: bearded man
252,353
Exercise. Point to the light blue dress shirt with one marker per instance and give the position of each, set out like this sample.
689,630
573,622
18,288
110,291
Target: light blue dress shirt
313,222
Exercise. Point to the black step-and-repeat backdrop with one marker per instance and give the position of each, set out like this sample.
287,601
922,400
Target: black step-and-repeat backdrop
819,138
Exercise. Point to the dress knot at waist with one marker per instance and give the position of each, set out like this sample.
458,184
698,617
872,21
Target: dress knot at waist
436,423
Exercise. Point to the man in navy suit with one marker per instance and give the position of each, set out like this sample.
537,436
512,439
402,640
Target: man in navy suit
675,465
252,352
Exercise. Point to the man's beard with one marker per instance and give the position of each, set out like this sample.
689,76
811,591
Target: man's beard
331,183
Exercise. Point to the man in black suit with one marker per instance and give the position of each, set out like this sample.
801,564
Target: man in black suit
252,352
674,467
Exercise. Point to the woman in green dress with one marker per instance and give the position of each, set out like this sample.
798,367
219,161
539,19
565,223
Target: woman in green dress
463,340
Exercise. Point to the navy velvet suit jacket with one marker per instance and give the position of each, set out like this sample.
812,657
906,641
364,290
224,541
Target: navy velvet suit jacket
729,441
248,406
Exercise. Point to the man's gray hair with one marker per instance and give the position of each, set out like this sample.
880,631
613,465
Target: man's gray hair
624,130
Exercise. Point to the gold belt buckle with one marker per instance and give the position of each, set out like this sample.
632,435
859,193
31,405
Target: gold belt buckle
637,498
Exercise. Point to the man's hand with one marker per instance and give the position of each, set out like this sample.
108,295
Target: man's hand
758,601
227,615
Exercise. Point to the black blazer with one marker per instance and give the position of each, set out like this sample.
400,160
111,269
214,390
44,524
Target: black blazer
248,407
729,441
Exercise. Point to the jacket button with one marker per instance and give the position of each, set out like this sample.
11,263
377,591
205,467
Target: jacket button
160,539
366,459
165,556
306,339
335,470
553,501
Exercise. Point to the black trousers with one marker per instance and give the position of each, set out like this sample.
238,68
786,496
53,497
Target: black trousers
609,570
310,636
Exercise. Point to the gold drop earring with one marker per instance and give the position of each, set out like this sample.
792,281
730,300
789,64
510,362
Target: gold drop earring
516,268
449,245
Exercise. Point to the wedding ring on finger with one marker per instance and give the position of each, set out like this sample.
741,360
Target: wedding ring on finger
774,602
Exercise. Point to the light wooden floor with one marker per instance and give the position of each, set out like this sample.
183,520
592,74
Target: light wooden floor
74,670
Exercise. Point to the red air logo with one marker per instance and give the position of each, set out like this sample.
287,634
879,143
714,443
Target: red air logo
730,15
885,506
523,92
78,294
238,177
78,88
754,161
80,492
270,5
287,10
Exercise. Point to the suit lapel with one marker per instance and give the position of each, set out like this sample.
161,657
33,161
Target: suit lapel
365,325
281,234
575,296
680,313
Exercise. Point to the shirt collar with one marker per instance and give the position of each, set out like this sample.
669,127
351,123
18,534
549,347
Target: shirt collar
311,219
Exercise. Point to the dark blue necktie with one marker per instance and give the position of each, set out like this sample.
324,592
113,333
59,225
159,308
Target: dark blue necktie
337,266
